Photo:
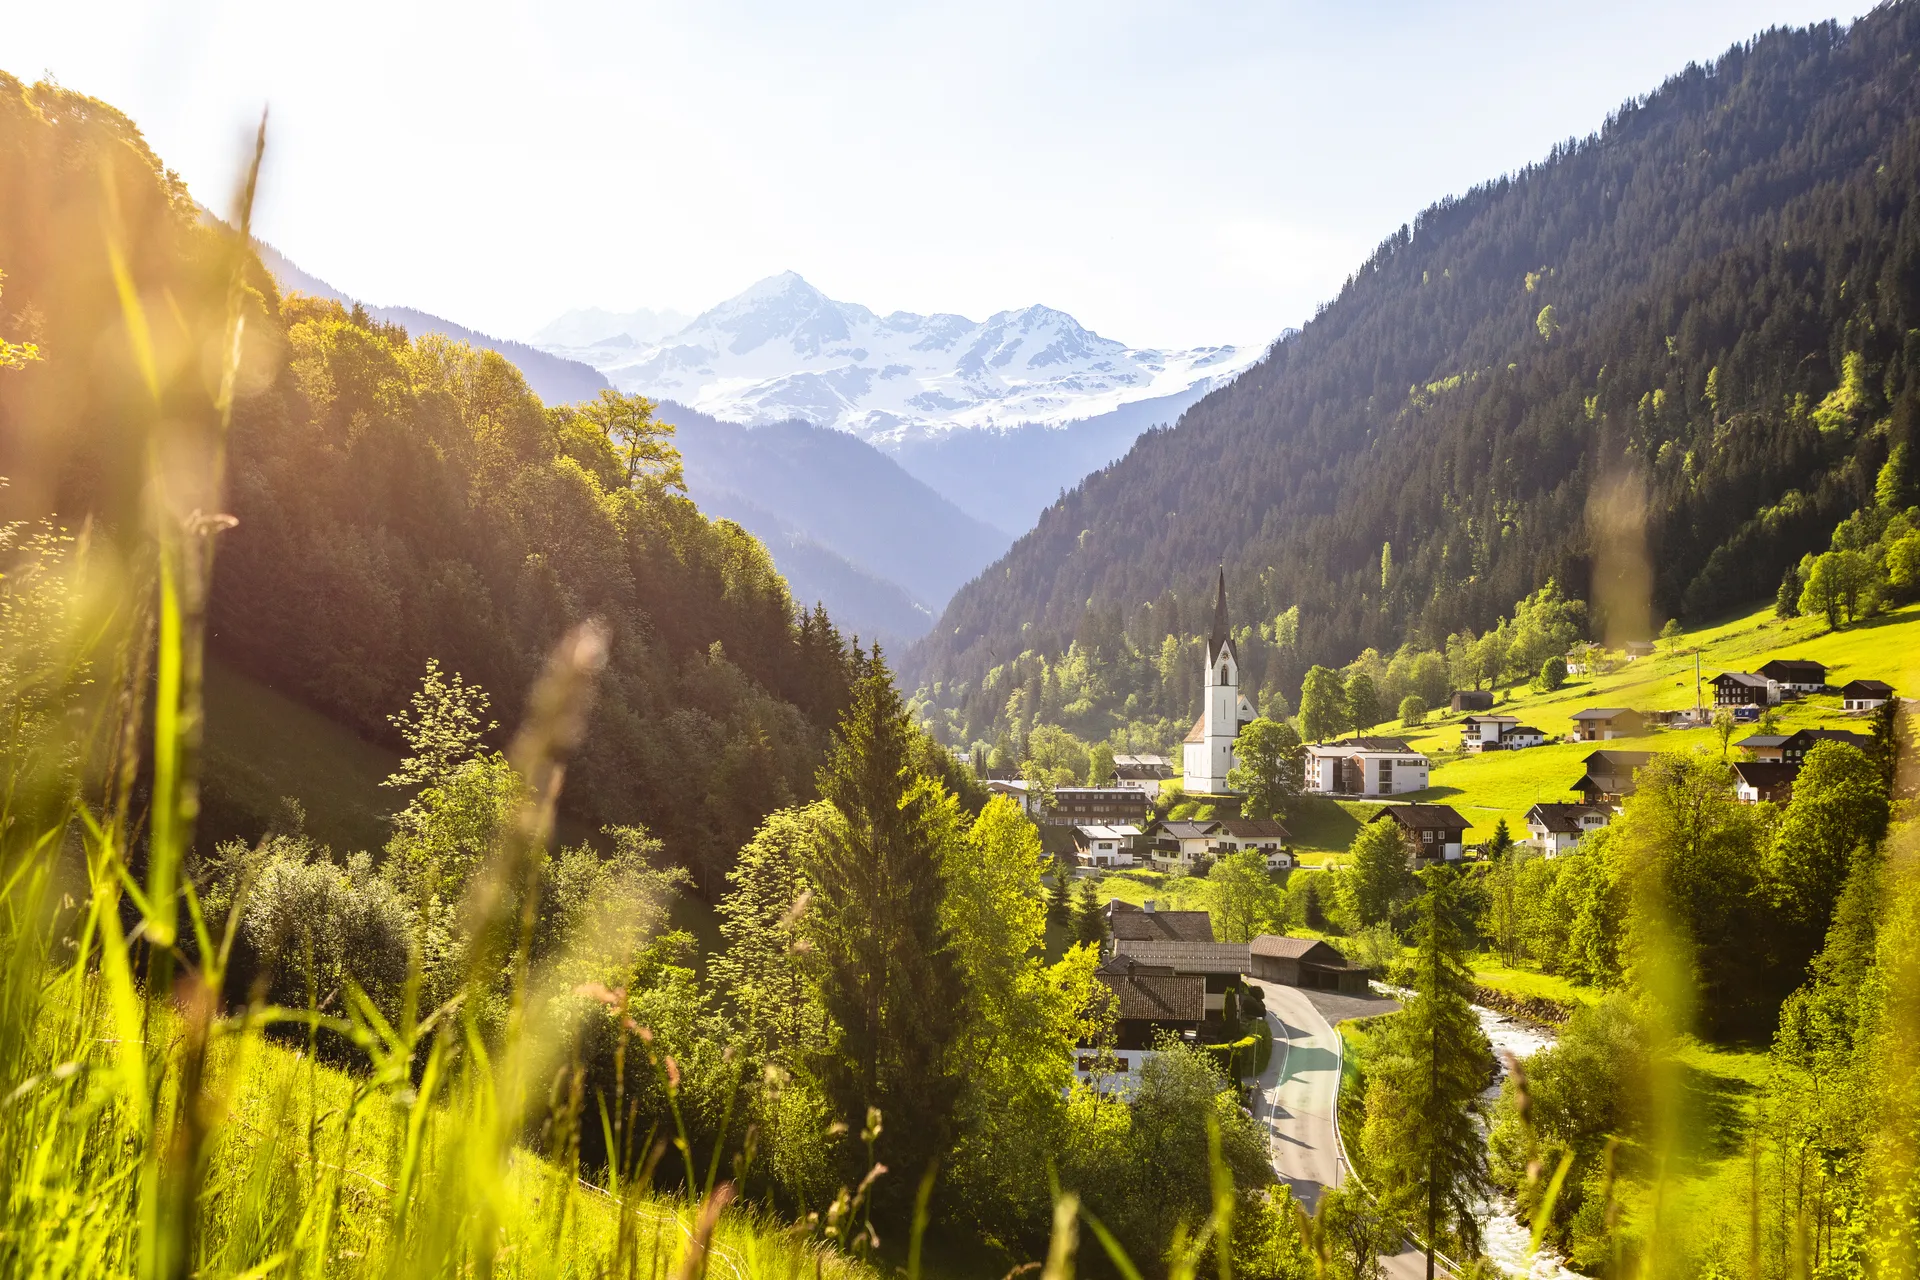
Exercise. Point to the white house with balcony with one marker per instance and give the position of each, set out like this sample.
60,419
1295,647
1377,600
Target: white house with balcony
1364,768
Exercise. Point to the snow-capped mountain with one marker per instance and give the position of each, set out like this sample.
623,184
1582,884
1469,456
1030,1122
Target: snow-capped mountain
783,350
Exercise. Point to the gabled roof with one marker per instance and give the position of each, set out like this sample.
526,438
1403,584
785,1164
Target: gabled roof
1756,741
1517,729
1478,718
1154,993
1765,774
1184,828
1130,923
1618,759
1744,679
1103,831
1424,817
1251,829
1866,688
1198,733
1288,948
1602,713
1564,818
1189,957
1805,738
1794,669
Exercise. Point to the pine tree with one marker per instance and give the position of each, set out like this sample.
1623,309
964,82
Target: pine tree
1786,601
886,970
1089,921
1059,896
1423,1100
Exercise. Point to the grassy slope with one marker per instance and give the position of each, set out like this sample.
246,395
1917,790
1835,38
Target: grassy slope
1486,788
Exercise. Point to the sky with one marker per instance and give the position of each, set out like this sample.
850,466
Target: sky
1171,174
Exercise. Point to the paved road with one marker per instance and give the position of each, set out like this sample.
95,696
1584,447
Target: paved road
1297,1095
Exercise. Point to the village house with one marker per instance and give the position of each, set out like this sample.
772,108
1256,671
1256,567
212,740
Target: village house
1599,724
1017,791
1364,767
1073,806
1471,700
1148,1001
1520,736
1482,732
1754,781
1865,695
1743,689
1794,750
1236,835
1305,962
1221,964
1145,924
1609,775
1639,649
1767,748
1177,844
1796,675
1097,845
1145,774
1555,827
1434,831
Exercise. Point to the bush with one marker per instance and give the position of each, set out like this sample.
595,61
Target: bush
1553,674
1413,710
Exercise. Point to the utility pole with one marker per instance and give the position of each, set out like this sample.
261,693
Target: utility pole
1698,717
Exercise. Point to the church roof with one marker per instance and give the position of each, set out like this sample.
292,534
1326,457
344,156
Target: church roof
1222,636
1198,733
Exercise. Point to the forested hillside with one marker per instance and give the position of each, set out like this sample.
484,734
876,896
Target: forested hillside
1708,313
398,499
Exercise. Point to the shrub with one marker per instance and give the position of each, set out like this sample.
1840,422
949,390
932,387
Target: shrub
1553,674
1413,710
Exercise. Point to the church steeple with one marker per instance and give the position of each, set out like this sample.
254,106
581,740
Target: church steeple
1222,636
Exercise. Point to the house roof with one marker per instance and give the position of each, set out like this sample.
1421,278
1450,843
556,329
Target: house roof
1744,679
1518,729
1602,713
1102,831
1617,759
1867,688
1189,957
1184,829
1363,746
1251,829
1805,738
1144,762
1154,993
1198,733
1754,742
1130,923
1795,669
1478,719
1765,774
1562,818
1286,948
1424,817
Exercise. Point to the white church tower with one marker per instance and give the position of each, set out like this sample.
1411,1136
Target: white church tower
1208,750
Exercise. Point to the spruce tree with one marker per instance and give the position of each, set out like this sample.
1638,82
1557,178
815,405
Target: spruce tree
1423,1101
886,970
1059,896
1089,921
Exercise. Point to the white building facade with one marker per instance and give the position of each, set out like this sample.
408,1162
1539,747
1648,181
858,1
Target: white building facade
1207,753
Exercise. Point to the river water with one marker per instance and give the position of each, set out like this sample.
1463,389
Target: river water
1505,1238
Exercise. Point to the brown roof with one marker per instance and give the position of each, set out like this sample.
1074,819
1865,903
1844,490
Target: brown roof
1198,733
1564,818
1764,775
1189,957
1154,992
1601,713
1287,948
1252,829
1424,817
1132,924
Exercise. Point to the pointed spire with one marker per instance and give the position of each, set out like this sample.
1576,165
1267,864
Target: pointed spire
1221,633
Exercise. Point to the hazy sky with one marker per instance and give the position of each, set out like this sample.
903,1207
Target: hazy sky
1173,174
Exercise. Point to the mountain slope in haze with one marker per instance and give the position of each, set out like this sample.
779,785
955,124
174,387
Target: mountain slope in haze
1657,366
554,379
782,350
844,496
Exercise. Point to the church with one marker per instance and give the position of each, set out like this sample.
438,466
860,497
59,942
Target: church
1208,750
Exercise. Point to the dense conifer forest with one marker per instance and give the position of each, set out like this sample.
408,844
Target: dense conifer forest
401,499
1696,333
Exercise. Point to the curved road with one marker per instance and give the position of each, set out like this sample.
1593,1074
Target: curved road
1297,1094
